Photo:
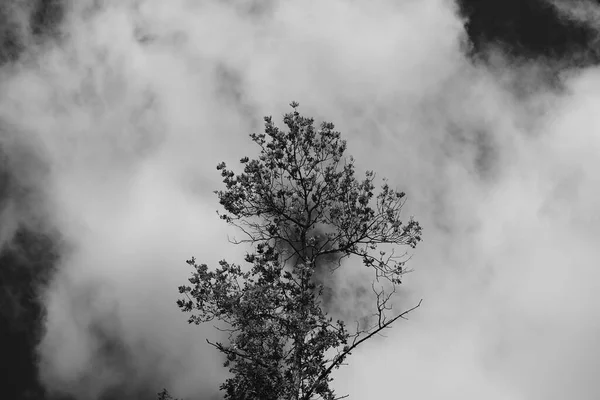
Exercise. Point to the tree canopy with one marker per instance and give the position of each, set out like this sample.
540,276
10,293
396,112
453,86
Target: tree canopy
301,207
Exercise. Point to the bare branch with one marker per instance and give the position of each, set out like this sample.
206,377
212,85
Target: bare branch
338,359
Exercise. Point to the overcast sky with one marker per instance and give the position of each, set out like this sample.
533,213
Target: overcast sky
119,126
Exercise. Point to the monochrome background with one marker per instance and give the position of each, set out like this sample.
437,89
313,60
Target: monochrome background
114,114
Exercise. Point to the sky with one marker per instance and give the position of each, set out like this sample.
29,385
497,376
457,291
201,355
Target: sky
116,124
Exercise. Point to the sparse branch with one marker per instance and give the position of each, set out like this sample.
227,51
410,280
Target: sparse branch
347,350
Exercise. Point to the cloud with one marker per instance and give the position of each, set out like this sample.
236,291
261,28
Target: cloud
580,11
130,108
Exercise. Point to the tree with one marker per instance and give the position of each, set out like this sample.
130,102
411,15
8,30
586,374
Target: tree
302,209
164,395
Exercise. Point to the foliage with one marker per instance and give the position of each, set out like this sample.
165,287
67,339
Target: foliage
301,206
164,395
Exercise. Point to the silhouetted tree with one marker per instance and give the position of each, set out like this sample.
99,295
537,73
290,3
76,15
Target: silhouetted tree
164,395
300,205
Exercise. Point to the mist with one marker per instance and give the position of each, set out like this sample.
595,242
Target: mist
114,125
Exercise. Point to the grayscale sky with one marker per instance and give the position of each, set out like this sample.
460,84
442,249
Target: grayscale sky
119,126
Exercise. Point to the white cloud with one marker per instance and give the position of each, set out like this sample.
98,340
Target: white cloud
133,107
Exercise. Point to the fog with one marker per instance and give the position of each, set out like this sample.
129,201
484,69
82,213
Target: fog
116,125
